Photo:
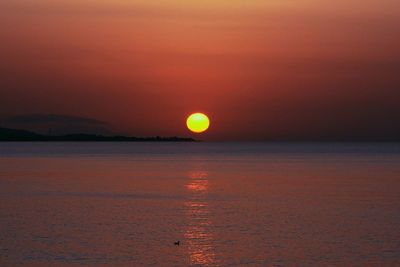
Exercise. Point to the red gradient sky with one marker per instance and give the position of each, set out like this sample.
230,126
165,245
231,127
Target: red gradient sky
306,69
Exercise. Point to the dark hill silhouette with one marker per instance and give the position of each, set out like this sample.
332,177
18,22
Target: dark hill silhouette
7,134
57,124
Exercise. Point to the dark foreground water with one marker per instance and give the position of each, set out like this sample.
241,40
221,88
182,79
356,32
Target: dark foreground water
229,204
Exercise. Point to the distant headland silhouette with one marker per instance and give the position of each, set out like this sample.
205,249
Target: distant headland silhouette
7,134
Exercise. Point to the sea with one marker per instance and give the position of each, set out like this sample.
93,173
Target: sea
199,204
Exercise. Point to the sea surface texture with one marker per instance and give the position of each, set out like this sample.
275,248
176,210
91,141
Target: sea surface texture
229,204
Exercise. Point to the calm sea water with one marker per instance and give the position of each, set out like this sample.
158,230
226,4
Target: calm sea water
229,204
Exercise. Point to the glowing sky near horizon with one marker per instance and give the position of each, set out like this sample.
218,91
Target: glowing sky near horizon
261,69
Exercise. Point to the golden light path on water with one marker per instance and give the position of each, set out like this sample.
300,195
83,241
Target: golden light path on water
198,236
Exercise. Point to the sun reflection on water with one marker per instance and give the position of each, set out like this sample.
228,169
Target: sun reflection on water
198,235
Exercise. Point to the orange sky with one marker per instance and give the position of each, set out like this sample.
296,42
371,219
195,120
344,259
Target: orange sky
304,69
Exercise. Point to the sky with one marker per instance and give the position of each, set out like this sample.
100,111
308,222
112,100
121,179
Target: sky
261,70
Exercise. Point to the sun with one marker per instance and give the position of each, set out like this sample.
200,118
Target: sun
198,122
